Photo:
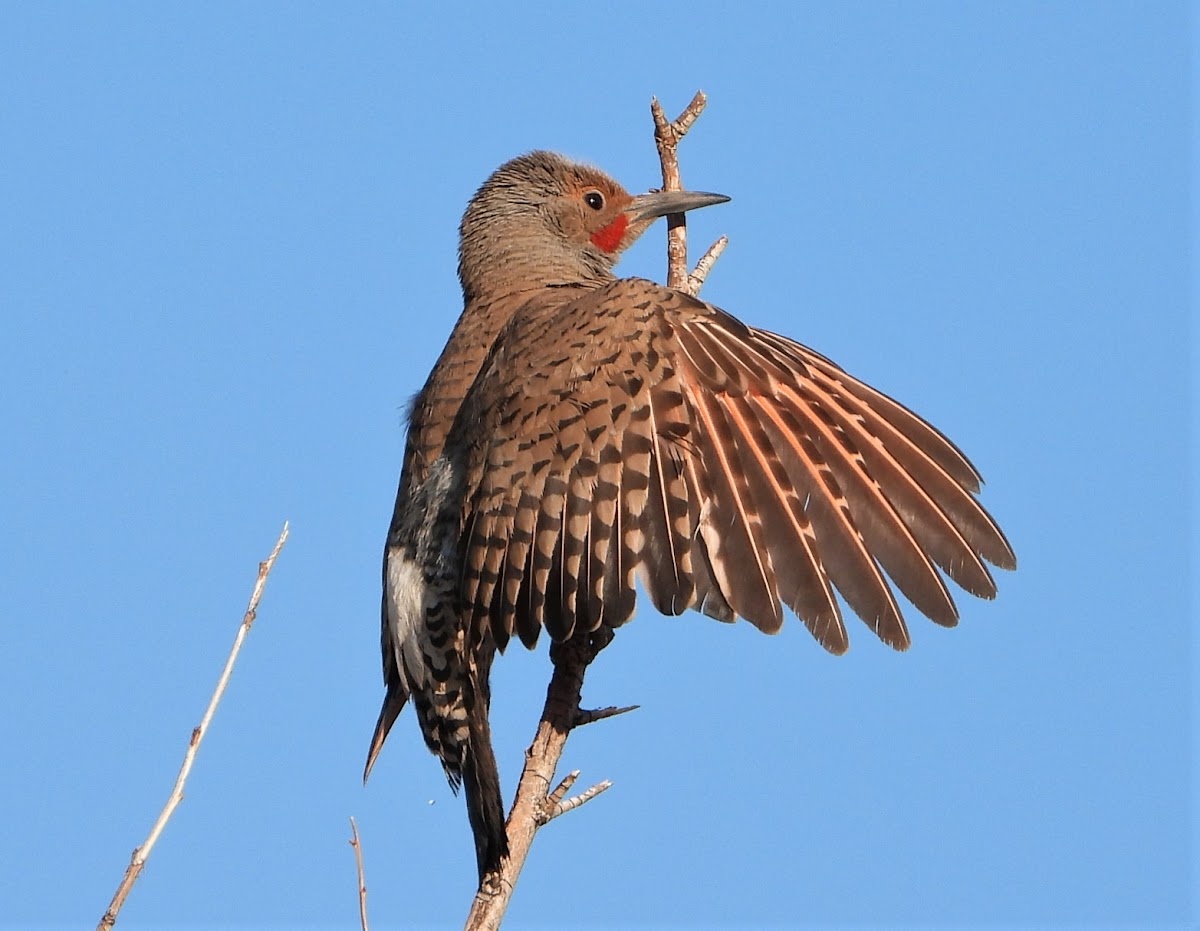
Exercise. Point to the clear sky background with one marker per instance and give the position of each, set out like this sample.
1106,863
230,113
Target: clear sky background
227,259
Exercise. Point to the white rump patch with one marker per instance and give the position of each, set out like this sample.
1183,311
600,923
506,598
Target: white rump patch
406,613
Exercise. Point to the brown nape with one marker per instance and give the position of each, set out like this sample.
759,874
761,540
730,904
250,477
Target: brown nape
580,433
532,223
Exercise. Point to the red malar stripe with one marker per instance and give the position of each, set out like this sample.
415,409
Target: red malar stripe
609,237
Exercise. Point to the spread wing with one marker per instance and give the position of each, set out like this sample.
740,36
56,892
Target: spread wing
637,433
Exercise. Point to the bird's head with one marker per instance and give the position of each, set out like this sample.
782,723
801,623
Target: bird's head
542,219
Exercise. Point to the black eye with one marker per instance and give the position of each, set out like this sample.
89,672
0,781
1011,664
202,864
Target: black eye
594,199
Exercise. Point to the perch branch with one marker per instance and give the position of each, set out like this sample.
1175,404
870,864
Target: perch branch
535,804
142,853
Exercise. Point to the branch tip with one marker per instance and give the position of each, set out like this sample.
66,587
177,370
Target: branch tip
696,279
362,882
583,716
563,787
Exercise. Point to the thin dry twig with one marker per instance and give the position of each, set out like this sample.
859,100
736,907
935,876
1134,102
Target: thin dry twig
142,853
362,881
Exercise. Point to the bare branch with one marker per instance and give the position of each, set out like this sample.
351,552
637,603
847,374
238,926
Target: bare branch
563,806
142,853
561,791
555,804
583,717
696,279
362,882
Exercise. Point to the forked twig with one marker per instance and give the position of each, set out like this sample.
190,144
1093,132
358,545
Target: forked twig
142,853
557,805
667,136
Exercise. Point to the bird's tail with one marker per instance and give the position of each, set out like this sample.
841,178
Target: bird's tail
485,804
393,704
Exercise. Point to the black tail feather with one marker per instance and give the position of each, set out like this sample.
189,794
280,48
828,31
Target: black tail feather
393,704
485,804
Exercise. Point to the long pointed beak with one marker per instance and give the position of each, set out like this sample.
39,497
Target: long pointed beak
661,203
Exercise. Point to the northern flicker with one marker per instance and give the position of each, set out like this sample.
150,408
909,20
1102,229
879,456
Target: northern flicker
581,432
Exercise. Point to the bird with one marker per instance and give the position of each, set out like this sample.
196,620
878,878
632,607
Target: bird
581,433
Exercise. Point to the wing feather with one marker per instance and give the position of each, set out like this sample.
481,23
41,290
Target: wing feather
729,469
733,531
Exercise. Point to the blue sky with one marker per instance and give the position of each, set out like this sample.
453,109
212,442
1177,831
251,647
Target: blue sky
227,259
